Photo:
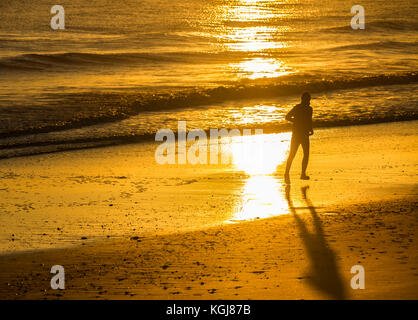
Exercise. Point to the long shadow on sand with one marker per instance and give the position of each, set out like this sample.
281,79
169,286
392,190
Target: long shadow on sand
324,273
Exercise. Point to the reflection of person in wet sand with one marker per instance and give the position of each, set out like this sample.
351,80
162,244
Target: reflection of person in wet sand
324,275
301,117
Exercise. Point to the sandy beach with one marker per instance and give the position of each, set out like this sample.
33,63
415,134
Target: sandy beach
112,117
125,227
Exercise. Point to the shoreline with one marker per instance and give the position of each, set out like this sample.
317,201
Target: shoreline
203,97
93,143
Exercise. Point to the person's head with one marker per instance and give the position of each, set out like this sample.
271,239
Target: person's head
306,98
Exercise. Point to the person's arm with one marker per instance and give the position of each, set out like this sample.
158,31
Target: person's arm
311,132
291,115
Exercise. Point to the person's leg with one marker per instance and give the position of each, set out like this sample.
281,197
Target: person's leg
294,145
305,160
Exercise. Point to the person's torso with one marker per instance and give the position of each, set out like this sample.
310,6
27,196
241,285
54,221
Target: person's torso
302,119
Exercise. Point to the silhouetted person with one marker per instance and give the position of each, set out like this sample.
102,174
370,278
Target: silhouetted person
301,117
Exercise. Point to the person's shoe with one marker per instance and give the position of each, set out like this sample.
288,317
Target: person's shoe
304,177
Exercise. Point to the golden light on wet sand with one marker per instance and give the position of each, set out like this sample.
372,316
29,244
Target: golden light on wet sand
259,156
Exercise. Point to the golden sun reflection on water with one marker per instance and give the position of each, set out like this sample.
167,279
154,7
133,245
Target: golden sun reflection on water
249,10
259,41
259,156
252,39
262,68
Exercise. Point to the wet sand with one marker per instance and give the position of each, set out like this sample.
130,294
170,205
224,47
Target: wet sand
268,259
124,227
